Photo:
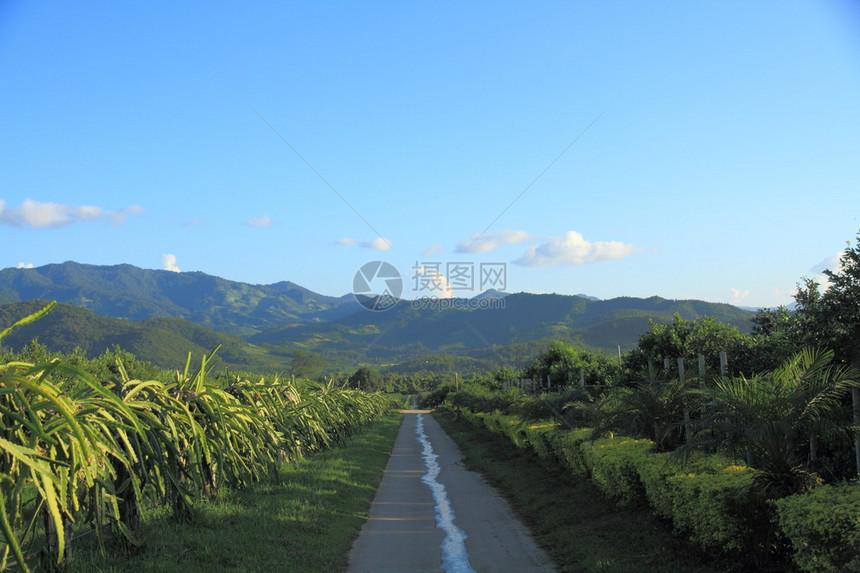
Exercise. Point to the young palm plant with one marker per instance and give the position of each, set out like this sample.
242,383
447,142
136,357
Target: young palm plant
776,421
653,409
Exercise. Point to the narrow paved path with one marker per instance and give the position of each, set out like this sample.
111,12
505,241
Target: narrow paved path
418,519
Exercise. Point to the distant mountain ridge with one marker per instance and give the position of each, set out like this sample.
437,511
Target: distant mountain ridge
165,342
126,291
279,318
524,318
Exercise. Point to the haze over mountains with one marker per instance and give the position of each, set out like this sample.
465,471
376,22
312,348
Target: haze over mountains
161,315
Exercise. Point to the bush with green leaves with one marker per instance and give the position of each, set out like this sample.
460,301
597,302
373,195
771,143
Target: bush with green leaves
610,462
546,406
539,436
568,448
476,398
823,527
708,498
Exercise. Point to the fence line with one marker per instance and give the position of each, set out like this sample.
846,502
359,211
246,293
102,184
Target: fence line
530,385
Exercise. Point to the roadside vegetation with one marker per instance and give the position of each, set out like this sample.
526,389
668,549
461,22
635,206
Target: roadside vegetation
571,519
305,520
755,454
86,453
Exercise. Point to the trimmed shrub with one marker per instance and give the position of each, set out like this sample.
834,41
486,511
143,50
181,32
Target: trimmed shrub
538,435
516,430
567,448
612,468
709,499
713,502
509,426
823,527
653,470
493,423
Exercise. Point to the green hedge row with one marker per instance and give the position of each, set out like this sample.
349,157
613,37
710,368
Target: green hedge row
824,527
709,499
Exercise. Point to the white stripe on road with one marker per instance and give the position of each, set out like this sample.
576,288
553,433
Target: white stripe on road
455,558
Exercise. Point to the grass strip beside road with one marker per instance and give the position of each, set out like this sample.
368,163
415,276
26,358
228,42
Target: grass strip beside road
306,523
570,518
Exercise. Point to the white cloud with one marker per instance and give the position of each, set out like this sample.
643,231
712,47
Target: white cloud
738,295
573,249
25,265
432,283
117,218
264,221
39,215
194,223
833,263
486,243
168,262
432,249
377,244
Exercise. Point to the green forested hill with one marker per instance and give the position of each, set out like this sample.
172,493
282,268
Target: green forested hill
595,324
126,291
165,342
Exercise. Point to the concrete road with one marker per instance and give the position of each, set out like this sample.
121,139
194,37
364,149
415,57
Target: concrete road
430,514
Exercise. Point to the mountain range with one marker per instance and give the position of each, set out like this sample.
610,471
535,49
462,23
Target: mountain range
162,315
132,293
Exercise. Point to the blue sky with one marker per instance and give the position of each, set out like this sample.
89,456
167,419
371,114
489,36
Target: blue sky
714,145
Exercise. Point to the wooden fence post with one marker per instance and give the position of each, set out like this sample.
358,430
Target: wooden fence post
687,424
855,402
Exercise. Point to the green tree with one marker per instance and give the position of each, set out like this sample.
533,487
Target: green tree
684,339
367,379
775,337
831,317
504,375
306,365
563,364
35,352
